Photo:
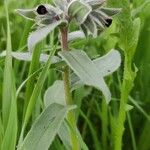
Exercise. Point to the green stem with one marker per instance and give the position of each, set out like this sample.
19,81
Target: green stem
125,91
68,95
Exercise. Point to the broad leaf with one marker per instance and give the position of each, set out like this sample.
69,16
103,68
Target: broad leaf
40,34
45,128
86,70
55,94
108,63
79,10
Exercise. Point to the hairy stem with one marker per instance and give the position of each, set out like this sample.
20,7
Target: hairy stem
68,95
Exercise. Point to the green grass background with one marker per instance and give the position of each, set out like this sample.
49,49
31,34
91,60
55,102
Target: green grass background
94,116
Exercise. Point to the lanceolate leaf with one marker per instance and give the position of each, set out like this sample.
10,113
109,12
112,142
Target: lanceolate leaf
27,13
45,128
40,34
86,70
27,56
110,11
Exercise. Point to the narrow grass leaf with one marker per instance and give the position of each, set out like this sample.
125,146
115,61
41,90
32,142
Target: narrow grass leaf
38,88
135,103
10,137
97,144
1,131
7,81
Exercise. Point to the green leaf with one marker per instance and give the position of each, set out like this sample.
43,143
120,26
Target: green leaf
55,94
108,63
128,107
82,143
1,131
27,13
110,11
141,110
86,70
40,34
8,71
75,35
95,3
27,56
45,128
10,136
79,10
65,135
138,10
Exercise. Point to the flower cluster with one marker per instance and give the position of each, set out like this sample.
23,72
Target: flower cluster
90,15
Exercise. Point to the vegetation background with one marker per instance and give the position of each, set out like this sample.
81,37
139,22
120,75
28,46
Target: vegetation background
94,116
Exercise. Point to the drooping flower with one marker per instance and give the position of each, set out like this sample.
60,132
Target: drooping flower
91,16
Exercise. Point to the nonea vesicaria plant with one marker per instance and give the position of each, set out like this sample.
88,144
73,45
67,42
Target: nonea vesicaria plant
91,17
